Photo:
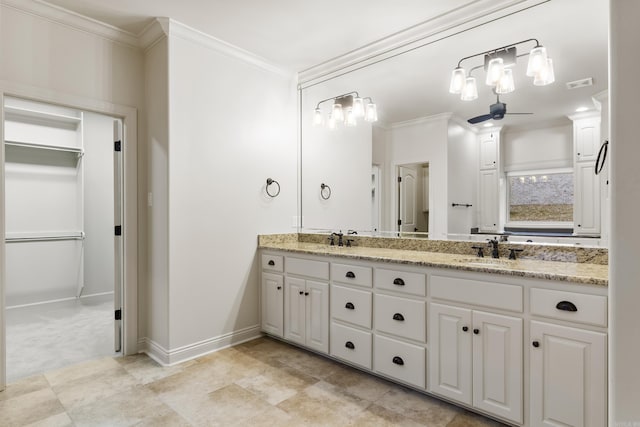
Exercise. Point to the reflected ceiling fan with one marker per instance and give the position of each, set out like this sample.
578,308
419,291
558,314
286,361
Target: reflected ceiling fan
496,112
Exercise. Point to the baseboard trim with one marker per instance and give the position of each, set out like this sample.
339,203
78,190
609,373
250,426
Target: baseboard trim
169,357
82,297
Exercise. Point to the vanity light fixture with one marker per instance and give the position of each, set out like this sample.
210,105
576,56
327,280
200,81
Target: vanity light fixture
499,74
346,108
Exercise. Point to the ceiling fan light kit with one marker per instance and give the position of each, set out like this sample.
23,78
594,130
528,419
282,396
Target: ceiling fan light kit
498,74
347,109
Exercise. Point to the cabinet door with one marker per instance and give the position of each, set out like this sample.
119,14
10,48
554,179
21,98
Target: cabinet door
450,333
568,376
272,304
294,310
587,139
497,365
488,200
586,215
317,316
488,151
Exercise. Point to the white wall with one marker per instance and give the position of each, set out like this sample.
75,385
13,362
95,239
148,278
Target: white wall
381,155
539,148
423,141
624,286
232,124
463,164
97,163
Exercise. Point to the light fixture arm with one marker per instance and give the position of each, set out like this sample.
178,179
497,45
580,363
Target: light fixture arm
338,97
498,49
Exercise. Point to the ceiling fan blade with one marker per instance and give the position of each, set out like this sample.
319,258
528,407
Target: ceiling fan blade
479,119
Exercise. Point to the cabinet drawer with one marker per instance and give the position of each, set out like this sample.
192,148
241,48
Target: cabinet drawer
351,274
405,362
486,294
351,345
401,281
307,267
272,262
400,316
351,305
589,309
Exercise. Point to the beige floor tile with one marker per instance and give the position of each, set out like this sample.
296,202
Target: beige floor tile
277,384
30,408
74,372
324,404
309,363
24,386
146,370
95,387
58,420
376,415
418,407
229,405
469,419
271,417
129,407
359,384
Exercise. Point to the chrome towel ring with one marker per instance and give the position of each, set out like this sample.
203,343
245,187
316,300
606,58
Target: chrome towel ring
325,191
269,182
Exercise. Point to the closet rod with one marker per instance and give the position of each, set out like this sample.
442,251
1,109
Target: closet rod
45,147
43,238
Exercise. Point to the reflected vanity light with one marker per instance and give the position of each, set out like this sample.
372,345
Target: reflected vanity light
347,109
498,74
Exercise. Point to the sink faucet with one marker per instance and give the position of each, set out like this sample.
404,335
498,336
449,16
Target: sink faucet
493,243
339,236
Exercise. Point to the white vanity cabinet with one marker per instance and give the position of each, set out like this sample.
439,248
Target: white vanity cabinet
272,295
476,356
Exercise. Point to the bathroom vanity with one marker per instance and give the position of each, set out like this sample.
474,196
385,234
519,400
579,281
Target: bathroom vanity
522,341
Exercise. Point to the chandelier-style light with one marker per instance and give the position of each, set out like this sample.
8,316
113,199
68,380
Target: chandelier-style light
347,109
499,74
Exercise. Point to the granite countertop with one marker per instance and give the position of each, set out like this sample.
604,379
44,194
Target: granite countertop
580,273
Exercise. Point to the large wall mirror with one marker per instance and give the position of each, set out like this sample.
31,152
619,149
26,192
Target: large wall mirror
421,169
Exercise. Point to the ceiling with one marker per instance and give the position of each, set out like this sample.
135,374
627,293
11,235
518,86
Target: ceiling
292,34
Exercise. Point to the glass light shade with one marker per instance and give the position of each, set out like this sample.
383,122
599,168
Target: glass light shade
350,119
371,114
458,77
506,83
470,91
546,76
331,123
358,107
537,60
494,71
318,118
337,113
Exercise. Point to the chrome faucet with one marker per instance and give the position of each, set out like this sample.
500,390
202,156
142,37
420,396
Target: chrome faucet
493,244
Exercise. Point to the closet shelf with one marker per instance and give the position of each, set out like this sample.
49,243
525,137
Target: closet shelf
44,237
75,150
18,113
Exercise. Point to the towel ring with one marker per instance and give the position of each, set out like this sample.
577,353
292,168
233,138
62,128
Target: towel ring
324,187
269,182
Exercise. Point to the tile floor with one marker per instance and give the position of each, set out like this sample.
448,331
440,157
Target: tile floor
259,383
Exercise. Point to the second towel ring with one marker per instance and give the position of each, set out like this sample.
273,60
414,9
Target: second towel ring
324,187
269,182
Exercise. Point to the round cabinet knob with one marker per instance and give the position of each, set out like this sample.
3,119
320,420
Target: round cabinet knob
279,287
476,331
536,344
306,293
465,328
301,293
398,360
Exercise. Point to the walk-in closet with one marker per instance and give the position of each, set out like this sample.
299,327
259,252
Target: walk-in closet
62,190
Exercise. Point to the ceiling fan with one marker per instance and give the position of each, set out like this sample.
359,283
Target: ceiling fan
496,112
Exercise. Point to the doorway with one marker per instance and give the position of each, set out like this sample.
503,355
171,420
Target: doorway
413,199
63,178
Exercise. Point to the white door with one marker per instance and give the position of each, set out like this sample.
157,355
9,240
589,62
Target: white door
497,365
317,316
586,216
294,310
488,152
118,244
488,200
272,304
567,376
450,332
587,139
407,199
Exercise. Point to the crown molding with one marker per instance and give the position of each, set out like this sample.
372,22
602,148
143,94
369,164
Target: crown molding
473,14
185,32
155,31
420,120
73,20
585,115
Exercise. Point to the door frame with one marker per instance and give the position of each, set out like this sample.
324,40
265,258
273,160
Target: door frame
128,115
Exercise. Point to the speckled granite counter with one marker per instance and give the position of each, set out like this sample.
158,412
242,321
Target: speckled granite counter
579,273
